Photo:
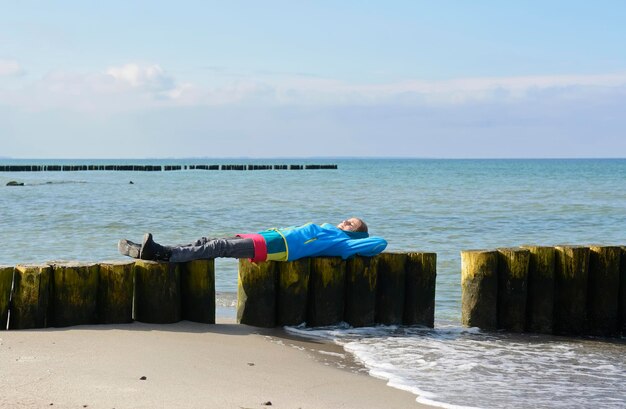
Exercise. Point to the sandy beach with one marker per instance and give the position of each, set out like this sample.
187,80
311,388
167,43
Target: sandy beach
183,365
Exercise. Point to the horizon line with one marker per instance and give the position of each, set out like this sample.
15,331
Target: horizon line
321,158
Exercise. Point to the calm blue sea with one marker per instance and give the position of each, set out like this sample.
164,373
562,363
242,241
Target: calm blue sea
434,205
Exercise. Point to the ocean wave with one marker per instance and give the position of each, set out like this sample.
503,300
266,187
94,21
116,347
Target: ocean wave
456,367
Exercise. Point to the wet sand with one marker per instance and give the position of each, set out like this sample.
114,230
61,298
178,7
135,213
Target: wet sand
183,365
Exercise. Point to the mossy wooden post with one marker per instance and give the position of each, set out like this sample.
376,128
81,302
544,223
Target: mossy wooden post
31,297
419,295
326,291
391,286
512,288
157,292
540,299
622,292
361,278
115,292
256,293
479,288
603,290
74,294
570,289
293,288
6,281
197,282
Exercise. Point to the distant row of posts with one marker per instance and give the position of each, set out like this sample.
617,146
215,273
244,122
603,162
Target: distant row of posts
156,168
564,290
391,288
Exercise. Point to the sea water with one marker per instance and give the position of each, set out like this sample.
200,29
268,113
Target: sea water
442,206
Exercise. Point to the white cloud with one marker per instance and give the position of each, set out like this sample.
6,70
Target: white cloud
10,68
311,91
150,78
511,88
134,86
118,89
445,92
549,116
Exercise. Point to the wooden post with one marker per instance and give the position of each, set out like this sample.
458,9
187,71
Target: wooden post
512,288
293,288
157,292
391,286
197,282
419,296
6,281
74,294
326,291
256,293
603,290
540,299
31,297
115,292
570,290
361,278
622,292
479,288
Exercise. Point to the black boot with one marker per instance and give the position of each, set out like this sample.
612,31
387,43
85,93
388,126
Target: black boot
128,248
154,251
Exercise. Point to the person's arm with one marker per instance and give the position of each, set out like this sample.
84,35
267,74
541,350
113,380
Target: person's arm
367,247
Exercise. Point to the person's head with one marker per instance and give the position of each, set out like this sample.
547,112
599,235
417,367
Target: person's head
353,224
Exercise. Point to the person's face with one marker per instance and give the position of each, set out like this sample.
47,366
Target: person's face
351,224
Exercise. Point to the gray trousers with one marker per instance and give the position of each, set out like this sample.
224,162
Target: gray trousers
205,248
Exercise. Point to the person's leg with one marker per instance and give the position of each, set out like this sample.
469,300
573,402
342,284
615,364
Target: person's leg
129,248
150,250
204,248
202,241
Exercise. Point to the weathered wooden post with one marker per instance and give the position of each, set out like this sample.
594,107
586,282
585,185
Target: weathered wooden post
419,296
479,288
391,288
361,278
512,288
31,297
157,292
570,290
256,293
115,292
326,291
603,290
622,292
74,294
197,282
6,281
540,299
293,288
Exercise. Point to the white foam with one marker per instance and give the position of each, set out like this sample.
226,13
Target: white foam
335,354
456,367
226,299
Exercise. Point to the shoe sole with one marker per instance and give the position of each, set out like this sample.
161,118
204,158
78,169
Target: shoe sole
128,248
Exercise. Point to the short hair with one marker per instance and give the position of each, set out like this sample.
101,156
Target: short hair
363,227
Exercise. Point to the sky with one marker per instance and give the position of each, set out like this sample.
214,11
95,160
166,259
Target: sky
432,79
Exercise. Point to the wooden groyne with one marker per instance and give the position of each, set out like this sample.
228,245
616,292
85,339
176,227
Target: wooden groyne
563,290
391,288
159,168
66,294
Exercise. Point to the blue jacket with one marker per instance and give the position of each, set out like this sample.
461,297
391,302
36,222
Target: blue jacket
312,240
